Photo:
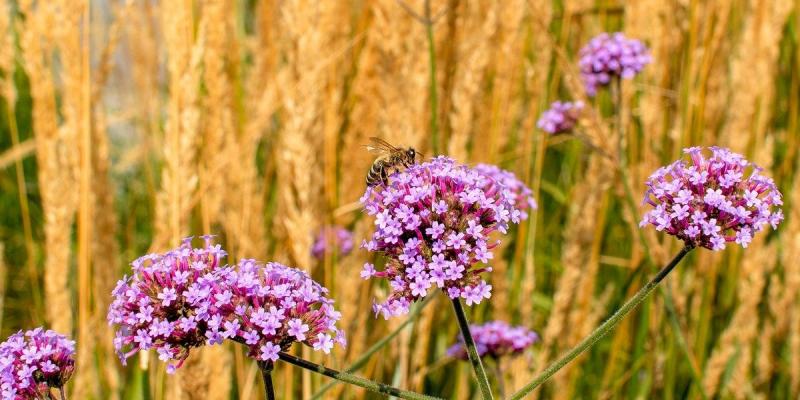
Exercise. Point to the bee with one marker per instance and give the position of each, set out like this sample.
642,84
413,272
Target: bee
389,158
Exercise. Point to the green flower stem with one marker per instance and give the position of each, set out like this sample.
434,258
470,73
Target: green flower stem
362,360
353,379
266,374
472,351
603,329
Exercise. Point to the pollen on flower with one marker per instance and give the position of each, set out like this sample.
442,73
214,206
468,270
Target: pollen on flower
174,301
433,223
710,202
607,56
33,362
495,339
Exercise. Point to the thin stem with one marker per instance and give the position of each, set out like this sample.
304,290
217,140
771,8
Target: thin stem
362,360
434,97
472,351
603,329
353,379
266,374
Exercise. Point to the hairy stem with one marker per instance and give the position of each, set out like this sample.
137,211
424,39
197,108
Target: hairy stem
266,374
353,379
472,351
603,329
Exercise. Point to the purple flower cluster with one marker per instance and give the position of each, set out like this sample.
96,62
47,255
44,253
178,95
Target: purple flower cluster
275,306
173,302
33,362
611,55
330,238
433,224
495,339
186,298
523,196
561,117
709,202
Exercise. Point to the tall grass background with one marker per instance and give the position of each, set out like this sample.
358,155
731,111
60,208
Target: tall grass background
127,125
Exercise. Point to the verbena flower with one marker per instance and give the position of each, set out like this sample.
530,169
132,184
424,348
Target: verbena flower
710,202
330,238
495,339
174,301
523,196
33,362
561,117
611,55
275,306
434,222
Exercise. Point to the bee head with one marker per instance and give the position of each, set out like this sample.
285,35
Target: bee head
411,154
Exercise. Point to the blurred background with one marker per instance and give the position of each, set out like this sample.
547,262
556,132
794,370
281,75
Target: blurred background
128,125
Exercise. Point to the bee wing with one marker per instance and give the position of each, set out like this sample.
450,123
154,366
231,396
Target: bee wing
378,145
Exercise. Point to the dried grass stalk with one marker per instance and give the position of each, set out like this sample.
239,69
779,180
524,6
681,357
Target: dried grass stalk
57,162
179,176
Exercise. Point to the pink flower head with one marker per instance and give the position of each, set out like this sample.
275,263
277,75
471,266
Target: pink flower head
332,238
495,339
173,301
561,117
710,202
433,223
33,362
276,305
607,56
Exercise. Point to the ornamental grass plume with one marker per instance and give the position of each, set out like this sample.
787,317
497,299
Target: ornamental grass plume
275,306
561,117
608,56
433,224
709,202
173,302
34,362
331,239
495,339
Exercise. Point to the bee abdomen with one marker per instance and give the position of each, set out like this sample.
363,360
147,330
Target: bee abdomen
377,173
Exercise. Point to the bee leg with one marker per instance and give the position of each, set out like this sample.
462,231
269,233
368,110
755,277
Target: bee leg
384,175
